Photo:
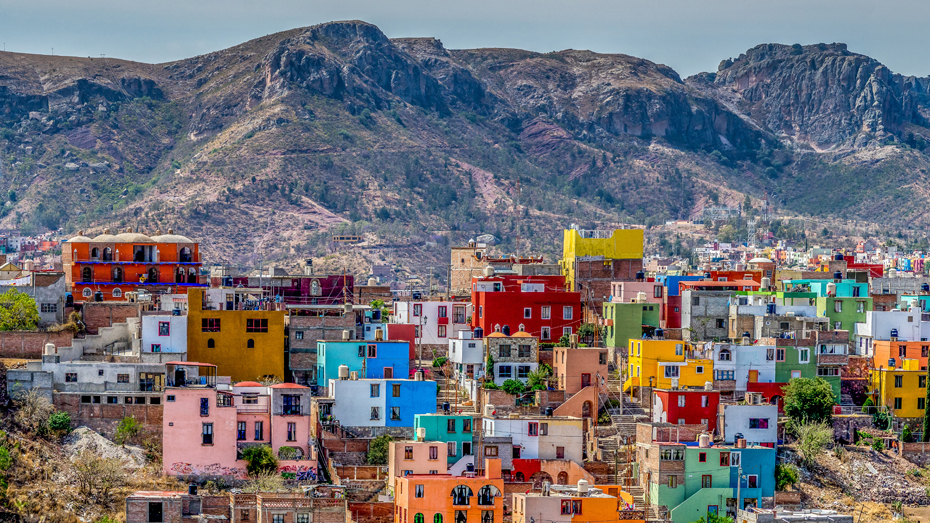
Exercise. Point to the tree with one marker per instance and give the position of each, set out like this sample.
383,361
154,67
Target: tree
32,411
260,460
378,450
812,439
786,476
96,475
513,386
60,422
809,400
127,429
537,378
18,311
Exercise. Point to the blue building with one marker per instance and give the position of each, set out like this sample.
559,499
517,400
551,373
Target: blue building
455,430
381,402
371,359
672,283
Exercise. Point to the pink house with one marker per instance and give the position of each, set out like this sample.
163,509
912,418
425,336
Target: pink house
626,291
206,426
575,369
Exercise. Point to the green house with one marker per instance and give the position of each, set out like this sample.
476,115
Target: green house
626,321
456,431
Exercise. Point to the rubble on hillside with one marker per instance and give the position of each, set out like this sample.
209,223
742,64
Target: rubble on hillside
83,438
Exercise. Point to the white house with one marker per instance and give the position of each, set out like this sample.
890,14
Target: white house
902,325
381,402
540,437
164,333
466,353
436,321
744,364
757,423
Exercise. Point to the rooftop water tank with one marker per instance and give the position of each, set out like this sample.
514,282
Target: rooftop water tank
766,282
659,334
479,333
640,276
704,441
421,433
837,275
506,330
488,411
582,486
838,257
345,335
343,372
831,289
925,287
372,282
489,271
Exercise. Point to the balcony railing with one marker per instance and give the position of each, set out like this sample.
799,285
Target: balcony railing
290,410
251,409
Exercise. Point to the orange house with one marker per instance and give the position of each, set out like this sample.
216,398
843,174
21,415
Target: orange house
441,498
899,351
111,264
577,504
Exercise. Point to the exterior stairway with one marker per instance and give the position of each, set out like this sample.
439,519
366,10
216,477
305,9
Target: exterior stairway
447,394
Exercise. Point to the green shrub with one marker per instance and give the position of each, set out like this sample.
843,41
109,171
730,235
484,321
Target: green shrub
440,361
513,386
127,429
812,438
60,422
6,459
878,444
786,476
378,450
288,453
906,435
809,400
259,460
490,385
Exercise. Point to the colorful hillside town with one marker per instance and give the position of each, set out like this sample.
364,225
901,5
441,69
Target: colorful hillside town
604,386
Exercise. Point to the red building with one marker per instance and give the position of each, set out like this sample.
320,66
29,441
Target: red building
538,305
687,407
114,264
756,276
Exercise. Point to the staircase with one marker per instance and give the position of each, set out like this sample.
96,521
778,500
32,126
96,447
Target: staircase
447,394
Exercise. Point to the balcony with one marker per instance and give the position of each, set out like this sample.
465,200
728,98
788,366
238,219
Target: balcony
251,409
832,359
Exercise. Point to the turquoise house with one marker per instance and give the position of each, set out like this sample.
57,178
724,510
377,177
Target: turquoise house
456,431
371,359
711,478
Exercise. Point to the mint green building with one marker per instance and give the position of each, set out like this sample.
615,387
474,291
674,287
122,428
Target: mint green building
626,321
449,429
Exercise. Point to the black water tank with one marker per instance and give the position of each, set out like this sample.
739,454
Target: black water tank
375,314
838,257
640,275
176,312
770,308
69,300
837,275
548,412
894,333
228,281
192,489
479,333
925,287
659,333
747,335
98,296
506,330
417,295
891,363
446,407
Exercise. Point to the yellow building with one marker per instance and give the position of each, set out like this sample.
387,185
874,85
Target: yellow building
244,345
903,389
663,363
622,244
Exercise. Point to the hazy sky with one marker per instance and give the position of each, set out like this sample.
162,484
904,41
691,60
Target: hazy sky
689,35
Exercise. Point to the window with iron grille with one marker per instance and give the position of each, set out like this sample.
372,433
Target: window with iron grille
256,325
210,325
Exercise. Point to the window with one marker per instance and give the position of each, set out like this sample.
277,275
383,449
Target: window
481,311
503,351
418,493
156,347
524,351
395,390
545,334
921,403
527,312
780,355
784,325
164,328
169,397
395,413
804,355
695,300
155,512
758,423
545,312
566,331
725,375
292,431
87,292
240,431
707,481
461,495
673,480
566,507
375,390
417,309
204,406
210,325
299,335
897,403
303,518
466,425
769,354
211,344
532,429
375,413
657,291
504,371
705,401
207,434
490,451
898,381
458,314
922,382
721,323
113,400
752,481
724,355
734,459
250,344
49,307
122,378
837,306
828,372
277,518
441,331
259,430
372,350
560,452
291,405
671,371
71,377
256,325
452,449
450,426
699,369
860,306
523,371
567,313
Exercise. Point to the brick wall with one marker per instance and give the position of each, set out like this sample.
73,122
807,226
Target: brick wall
104,417
365,512
593,278
105,314
29,345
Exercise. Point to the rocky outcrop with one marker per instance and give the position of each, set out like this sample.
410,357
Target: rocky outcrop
822,94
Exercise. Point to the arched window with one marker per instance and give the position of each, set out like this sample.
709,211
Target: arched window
87,292
562,478
586,409
418,518
724,355
497,327
437,518
95,253
87,275
522,328
185,255
519,478
153,275
107,254
461,494
117,293
487,493
315,288
117,275
211,344
191,275
487,516
179,277
250,344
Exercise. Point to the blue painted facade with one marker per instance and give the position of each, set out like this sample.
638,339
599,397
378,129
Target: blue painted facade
380,402
368,358
446,428
672,283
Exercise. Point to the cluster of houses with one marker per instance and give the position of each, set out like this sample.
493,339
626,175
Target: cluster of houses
591,390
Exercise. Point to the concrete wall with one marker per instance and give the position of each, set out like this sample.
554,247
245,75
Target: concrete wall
736,420
176,339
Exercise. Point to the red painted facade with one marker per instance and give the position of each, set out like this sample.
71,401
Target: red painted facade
671,312
693,408
115,264
736,275
539,304
770,391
